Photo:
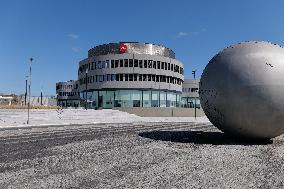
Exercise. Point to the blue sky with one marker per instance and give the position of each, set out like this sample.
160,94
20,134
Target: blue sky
58,33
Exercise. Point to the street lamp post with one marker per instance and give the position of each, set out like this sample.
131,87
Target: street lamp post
86,105
193,73
30,82
26,93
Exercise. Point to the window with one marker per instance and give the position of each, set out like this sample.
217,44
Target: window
145,63
149,77
126,77
117,77
135,63
130,77
121,63
96,78
166,66
112,63
140,77
116,63
140,64
108,77
172,67
155,99
113,77
149,63
107,64
121,77
101,78
154,64
144,77
157,78
89,66
153,77
100,64
130,62
162,65
92,65
135,77
126,63
158,64
194,90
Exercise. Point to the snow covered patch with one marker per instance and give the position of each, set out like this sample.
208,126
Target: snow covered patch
14,117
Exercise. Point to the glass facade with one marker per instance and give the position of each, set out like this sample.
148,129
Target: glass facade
68,103
188,102
130,98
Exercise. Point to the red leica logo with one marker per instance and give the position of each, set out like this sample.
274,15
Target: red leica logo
122,48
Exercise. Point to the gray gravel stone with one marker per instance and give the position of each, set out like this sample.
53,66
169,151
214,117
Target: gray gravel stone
169,157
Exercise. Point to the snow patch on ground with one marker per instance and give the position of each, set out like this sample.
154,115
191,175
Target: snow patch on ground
11,118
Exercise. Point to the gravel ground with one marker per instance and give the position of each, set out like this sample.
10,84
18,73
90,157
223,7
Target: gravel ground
152,155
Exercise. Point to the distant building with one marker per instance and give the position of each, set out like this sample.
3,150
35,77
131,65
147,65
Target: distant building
68,94
6,100
190,93
39,100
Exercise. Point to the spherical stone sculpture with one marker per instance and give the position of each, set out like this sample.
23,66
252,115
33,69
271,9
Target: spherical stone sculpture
242,90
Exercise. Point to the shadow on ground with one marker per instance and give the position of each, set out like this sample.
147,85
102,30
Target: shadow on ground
200,137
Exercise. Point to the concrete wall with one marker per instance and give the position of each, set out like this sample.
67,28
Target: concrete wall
162,112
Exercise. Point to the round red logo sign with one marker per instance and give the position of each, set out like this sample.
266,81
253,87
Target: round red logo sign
122,48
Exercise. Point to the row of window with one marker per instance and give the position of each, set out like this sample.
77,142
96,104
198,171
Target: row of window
68,94
189,102
68,103
126,63
61,87
131,77
131,98
188,90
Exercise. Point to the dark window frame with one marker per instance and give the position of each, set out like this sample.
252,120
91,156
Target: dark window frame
126,63
136,63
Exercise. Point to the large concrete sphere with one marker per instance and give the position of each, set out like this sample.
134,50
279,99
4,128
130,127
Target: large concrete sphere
242,90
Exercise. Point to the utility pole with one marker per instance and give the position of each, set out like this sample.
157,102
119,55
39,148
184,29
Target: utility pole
41,95
26,93
193,73
86,88
30,78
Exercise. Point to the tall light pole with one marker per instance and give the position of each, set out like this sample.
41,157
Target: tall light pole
86,106
193,73
30,77
26,93
41,96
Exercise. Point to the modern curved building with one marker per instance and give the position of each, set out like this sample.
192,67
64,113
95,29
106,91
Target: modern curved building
130,74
